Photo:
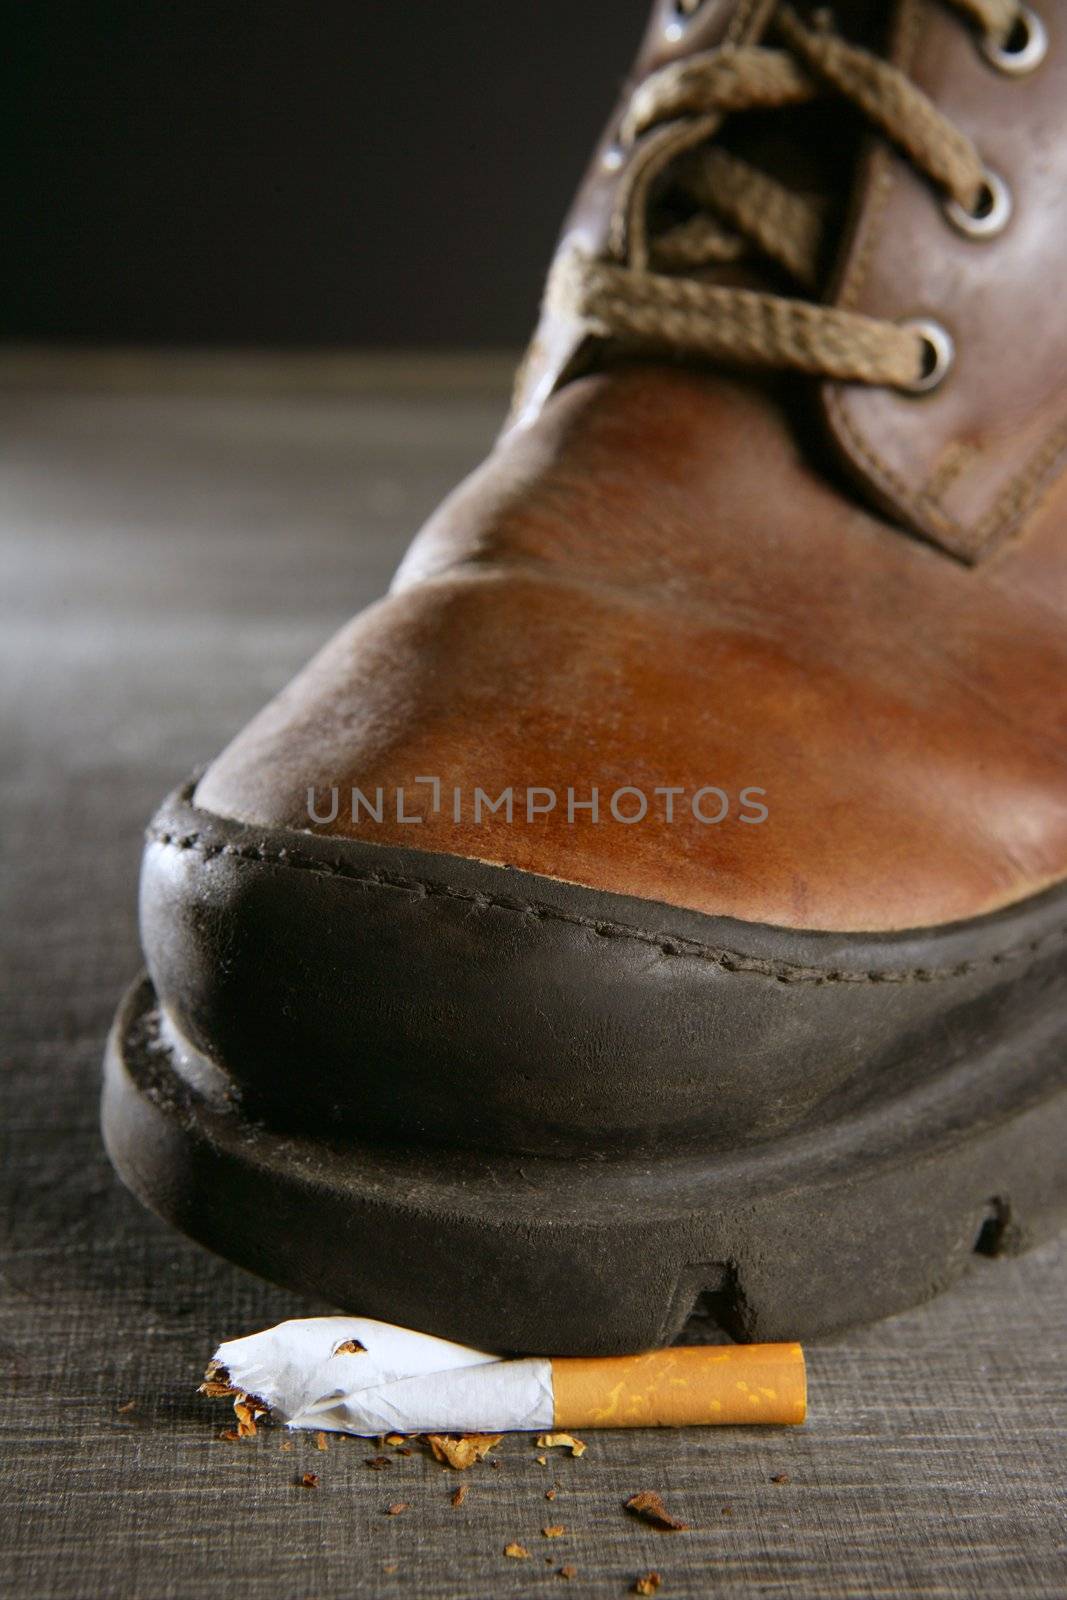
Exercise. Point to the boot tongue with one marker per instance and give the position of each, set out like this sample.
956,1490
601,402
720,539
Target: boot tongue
812,149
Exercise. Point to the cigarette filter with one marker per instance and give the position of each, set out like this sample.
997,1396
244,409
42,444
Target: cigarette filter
355,1375
682,1387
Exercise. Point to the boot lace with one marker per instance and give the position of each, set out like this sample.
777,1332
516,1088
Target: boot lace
649,294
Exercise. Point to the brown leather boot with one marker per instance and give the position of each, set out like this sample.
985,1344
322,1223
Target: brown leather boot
660,897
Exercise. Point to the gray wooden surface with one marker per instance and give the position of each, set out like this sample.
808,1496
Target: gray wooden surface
178,536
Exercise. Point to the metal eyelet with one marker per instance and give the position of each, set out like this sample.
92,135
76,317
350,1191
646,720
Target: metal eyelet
939,352
684,11
1024,49
990,216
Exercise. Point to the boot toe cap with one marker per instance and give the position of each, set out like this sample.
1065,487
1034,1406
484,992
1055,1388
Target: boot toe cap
351,987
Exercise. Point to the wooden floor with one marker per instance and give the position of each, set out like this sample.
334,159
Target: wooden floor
178,537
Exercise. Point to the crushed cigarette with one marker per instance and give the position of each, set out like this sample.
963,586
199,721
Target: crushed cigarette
356,1375
650,1508
648,1584
462,1452
561,1441
517,1552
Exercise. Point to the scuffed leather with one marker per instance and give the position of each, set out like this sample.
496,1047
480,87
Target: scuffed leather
655,585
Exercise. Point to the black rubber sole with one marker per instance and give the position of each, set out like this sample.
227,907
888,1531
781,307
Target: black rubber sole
794,1237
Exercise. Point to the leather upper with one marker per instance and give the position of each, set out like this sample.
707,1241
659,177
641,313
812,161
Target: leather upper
655,585
964,464
663,578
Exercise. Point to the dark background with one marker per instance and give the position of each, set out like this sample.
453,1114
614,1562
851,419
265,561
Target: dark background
370,174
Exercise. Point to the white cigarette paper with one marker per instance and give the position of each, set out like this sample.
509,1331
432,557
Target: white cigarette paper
354,1375
399,1382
